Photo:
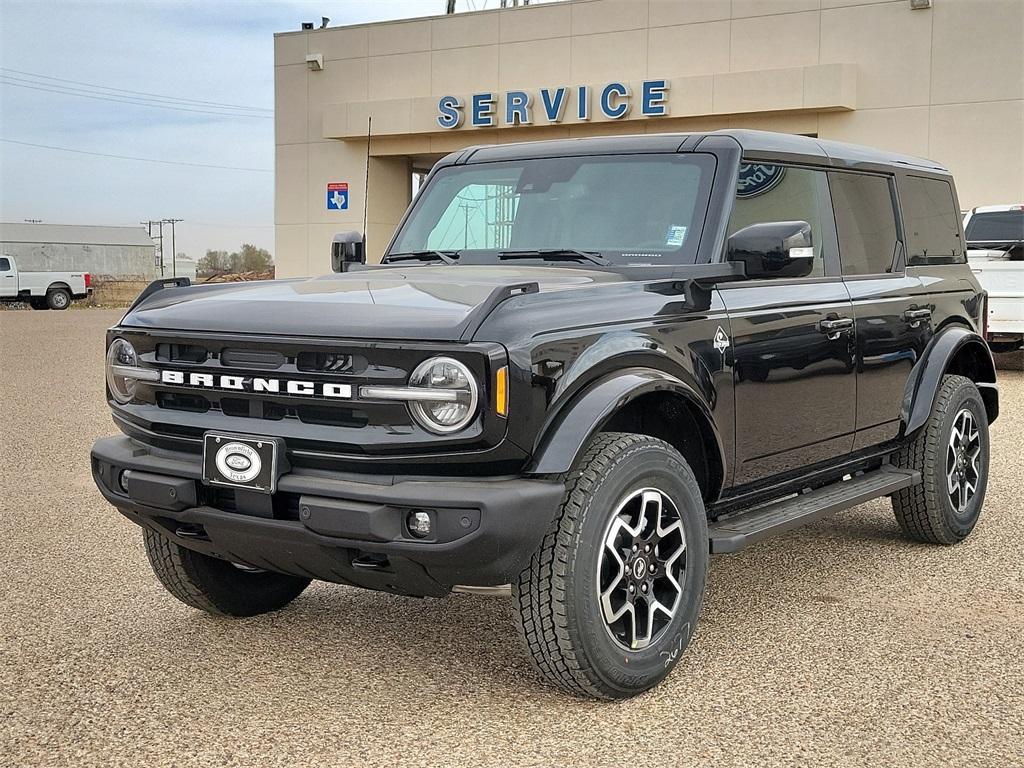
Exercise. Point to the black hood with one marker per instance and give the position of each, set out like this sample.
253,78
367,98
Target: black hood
423,302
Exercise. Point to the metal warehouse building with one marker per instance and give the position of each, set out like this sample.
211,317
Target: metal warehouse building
121,253
942,79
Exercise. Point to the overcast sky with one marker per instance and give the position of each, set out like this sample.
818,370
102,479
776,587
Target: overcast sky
218,52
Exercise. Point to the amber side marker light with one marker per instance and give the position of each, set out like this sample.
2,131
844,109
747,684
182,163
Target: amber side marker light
501,391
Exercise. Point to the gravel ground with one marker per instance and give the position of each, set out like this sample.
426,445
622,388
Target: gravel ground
842,643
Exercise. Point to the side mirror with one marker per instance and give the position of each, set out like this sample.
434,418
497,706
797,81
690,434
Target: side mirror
773,249
347,248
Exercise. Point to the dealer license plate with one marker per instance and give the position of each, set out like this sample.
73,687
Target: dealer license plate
241,462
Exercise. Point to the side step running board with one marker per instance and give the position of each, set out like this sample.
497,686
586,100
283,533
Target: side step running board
733,533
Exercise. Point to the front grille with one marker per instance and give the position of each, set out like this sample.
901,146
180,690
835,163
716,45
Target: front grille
330,362
181,353
175,413
332,416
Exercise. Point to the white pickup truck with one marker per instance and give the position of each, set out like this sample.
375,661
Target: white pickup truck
995,250
42,290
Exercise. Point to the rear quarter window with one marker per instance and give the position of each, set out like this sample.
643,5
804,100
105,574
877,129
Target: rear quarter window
931,221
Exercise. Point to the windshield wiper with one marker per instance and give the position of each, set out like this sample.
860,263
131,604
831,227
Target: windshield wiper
556,254
448,257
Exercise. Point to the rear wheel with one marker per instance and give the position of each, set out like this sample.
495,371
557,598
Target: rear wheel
217,586
611,597
58,298
951,453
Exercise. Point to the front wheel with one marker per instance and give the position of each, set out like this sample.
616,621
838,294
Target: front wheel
951,453
611,598
217,586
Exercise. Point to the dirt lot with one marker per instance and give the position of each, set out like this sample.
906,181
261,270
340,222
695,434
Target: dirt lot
840,644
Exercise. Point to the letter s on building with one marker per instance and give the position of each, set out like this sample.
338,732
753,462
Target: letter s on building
449,109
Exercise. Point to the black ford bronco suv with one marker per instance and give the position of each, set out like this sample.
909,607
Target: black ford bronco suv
582,367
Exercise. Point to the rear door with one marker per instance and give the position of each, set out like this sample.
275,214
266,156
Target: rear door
891,305
792,340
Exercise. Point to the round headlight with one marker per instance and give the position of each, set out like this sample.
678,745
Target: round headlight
452,405
121,358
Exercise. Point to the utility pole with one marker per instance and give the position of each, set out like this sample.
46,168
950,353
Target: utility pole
174,253
160,225
160,247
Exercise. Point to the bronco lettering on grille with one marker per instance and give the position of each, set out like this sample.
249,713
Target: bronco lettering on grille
257,384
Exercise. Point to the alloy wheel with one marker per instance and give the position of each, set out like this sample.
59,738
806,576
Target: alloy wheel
963,472
641,569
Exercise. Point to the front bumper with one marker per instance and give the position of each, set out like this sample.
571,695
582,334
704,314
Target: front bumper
343,528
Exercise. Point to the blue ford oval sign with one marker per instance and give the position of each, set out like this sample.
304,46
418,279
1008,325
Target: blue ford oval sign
757,179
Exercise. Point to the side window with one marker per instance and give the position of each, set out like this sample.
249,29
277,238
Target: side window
931,221
479,216
865,223
769,193
5,265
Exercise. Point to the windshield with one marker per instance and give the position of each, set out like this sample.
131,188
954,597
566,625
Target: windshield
630,209
997,226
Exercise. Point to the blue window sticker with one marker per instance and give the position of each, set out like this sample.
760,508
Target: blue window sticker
676,235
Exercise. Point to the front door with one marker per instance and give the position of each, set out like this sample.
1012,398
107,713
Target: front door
792,340
8,278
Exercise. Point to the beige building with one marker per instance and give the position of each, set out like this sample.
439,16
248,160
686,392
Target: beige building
945,82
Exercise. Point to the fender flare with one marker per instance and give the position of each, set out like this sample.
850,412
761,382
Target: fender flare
923,385
566,432
58,284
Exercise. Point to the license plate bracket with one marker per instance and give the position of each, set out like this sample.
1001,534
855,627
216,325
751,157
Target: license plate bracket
242,461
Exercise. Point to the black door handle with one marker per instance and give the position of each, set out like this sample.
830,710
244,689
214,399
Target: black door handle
915,316
833,327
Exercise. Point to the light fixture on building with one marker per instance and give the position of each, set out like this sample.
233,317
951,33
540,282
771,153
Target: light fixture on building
324,21
920,5
315,61
307,25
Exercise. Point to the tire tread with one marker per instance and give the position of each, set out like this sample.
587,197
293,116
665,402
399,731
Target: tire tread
541,590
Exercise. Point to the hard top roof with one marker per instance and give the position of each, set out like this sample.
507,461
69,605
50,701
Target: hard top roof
754,144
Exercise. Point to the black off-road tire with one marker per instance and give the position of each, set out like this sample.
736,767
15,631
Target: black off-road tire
559,613
58,298
925,511
217,586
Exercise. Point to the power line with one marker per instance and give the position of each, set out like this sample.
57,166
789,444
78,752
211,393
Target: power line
162,97
113,98
139,159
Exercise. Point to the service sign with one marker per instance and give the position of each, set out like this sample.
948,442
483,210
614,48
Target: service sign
551,105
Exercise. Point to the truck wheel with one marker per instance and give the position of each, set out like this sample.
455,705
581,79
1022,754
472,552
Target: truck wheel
58,298
217,586
611,597
951,453
37,303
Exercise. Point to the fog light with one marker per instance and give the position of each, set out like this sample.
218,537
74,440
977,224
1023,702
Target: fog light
122,480
418,523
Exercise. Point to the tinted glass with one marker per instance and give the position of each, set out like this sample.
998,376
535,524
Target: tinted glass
770,193
931,221
865,222
639,209
998,226
5,265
